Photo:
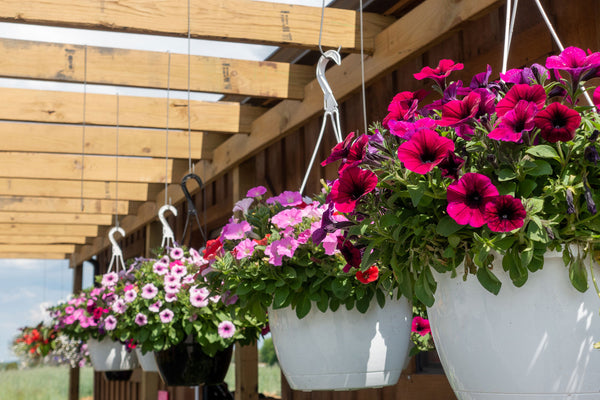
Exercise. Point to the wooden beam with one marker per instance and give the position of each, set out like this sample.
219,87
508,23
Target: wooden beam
33,256
415,32
64,188
19,217
37,239
147,112
54,229
37,248
99,140
62,205
108,66
233,20
96,168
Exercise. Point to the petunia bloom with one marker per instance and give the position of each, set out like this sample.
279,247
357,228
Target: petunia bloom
166,316
287,199
420,325
130,296
424,151
110,323
514,123
575,61
235,231
534,94
451,165
109,279
504,214
340,151
352,185
256,191
226,329
369,275
244,249
141,319
176,253
149,291
557,122
403,106
439,73
468,197
287,217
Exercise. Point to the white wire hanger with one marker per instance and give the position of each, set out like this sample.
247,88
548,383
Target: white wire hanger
167,232
117,253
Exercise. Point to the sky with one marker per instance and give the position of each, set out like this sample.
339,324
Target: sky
27,287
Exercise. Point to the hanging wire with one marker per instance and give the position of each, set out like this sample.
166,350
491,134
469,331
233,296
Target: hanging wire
362,68
83,119
321,27
117,168
189,44
167,131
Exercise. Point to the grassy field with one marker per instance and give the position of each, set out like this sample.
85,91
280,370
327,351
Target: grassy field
51,383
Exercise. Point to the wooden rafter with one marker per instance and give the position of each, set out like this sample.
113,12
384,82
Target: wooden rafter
37,248
62,205
147,112
108,66
48,218
413,33
53,229
34,256
62,138
255,22
37,239
97,168
72,189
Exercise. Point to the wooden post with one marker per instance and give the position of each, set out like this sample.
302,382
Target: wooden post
74,372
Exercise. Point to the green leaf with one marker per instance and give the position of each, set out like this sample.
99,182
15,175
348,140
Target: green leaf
488,280
526,187
416,192
506,175
289,272
504,243
323,302
380,297
302,307
243,289
506,188
454,240
543,151
447,226
280,296
534,205
389,219
538,168
423,290
362,305
334,304
578,274
535,232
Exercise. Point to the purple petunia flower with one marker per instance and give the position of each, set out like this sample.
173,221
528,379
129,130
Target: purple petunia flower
243,205
575,61
287,199
110,323
235,231
226,329
166,316
149,291
141,319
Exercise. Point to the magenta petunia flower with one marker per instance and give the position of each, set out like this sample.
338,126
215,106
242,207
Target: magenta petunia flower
110,323
451,165
596,98
557,122
287,198
460,112
256,191
357,152
141,319
504,214
244,249
176,253
575,61
534,94
235,231
439,73
226,329
535,74
149,291
467,198
420,325
351,186
109,279
424,151
514,123
340,151
403,106
130,296
69,309
166,316
406,130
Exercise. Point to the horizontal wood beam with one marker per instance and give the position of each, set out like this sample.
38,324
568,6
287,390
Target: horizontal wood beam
37,248
99,140
53,229
413,33
24,217
71,188
96,168
37,239
62,205
33,256
233,20
24,59
147,112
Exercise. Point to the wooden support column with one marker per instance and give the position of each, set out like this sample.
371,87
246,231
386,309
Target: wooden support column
74,372
246,357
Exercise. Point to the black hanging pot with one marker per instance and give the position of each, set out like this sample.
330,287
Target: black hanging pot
185,364
118,375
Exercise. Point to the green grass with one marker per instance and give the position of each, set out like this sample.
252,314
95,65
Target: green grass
269,379
42,383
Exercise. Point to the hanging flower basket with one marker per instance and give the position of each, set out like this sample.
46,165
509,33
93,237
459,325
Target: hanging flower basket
147,361
343,349
186,364
109,355
520,344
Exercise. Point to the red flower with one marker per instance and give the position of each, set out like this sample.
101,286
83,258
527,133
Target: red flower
356,153
420,326
369,275
511,126
352,184
403,106
557,122
504,214
351,254
468,197
424,150
340,150
213,248
263,241
439,74
533,94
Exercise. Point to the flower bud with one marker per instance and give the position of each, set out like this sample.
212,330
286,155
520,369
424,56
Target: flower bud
591,154
589,200
594,135
491,158
570,205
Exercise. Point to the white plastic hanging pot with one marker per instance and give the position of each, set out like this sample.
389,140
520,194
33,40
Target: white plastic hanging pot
528,343
345,349
146,361
109,355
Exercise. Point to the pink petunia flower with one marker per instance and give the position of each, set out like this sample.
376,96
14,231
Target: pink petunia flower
287,217
179,271
256,191
287,199
514,123
424,151
149,291
439,73
504,214
119,306
534,94
141,319
166,316
226,329
176,253
351,186
110,323
172,287
160,268
235,231
420,325
406,130
467,198
198,299
155,307
575,61
403,106
171,297
130,296
244,249
108,279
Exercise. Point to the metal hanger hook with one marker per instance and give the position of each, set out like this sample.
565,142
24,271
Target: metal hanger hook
117,254
167,235
191,209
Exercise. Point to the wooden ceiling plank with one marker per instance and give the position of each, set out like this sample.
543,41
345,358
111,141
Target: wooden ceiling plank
96,168
37,248
38,239
63,205
99,140
51,229
147,112
24,217
415,32
33,256
24,59
72,189
255,22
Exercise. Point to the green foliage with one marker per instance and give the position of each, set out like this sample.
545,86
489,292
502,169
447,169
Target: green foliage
266,353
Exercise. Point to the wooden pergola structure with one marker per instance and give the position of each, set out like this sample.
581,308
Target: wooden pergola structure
58,170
